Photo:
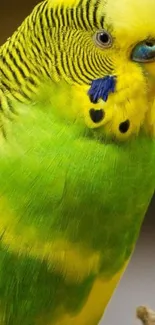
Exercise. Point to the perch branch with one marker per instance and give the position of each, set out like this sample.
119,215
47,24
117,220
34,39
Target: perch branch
146,315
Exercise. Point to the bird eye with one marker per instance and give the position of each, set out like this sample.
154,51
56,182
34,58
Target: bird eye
144,52
103,39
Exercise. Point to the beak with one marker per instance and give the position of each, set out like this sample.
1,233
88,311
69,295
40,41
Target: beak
150,72
150,69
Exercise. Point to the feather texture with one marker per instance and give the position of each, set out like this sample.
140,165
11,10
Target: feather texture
76,173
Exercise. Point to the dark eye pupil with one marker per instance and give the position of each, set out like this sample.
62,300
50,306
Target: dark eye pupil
104,38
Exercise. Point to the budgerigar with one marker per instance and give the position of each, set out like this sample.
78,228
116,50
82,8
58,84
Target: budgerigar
77,156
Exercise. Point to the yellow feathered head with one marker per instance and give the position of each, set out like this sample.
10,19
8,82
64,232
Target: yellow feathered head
105,51
108,48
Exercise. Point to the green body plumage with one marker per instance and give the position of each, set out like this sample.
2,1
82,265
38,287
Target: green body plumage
62,187
72,195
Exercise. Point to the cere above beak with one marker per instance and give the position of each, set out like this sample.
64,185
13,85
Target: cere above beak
144,52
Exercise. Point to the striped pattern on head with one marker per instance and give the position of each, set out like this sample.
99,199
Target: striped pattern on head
56,42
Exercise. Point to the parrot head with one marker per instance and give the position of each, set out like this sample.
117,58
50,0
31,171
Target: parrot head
106,51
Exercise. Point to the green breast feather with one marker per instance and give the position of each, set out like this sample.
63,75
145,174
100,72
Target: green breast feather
63,191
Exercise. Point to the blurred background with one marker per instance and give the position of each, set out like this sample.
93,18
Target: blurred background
138,284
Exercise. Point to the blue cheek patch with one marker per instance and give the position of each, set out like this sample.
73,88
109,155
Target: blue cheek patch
100,88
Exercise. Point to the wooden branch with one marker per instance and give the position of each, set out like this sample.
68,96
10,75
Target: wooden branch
146,315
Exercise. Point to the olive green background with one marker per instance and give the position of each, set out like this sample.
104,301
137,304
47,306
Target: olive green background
138,284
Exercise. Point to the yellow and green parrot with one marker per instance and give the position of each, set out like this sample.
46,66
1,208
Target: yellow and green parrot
77,156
